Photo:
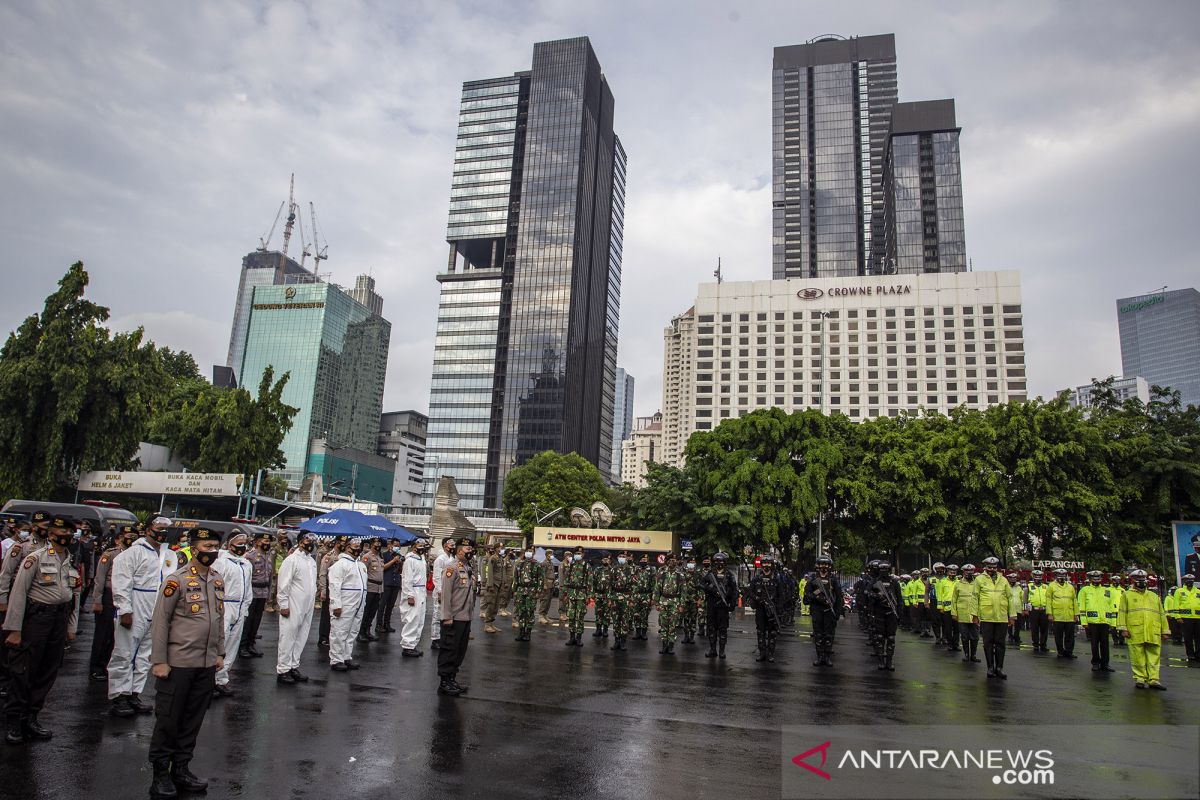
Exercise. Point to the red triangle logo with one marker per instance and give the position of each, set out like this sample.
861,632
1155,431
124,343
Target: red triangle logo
823,749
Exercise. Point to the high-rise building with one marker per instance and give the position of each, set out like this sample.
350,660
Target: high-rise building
622,418
402,437
335,351
832,101
863,347
642,448
364,293
1135,388
260,268
1160,340
923,205
526,347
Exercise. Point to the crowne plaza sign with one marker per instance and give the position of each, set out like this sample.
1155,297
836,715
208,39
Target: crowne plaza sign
877,290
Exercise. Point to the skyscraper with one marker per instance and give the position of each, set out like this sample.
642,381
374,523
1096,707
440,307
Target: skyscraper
923,208
260,268
622,419
1160,340
832,101
525,354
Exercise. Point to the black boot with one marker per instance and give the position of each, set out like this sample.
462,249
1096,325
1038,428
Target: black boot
596,633
16,732
662,650
616,645
721,646
762,648
185,780
448,687
579,640
712,647
771,649
974,650
161,786
671,649
829,651
570,641
120,706
33,730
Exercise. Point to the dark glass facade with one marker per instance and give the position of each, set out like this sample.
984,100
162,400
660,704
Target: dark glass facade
535,227
1160,340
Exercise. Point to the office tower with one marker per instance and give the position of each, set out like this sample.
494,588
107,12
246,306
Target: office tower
642,448
923,228
832,100
402,437
364,293
871,346
1160,340
622,418
335,351
525,354
260,268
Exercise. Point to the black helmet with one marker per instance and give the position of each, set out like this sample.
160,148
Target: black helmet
826,560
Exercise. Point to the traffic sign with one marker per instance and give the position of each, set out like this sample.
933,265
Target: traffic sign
662,559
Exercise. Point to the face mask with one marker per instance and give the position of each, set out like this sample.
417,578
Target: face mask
206,558
1140,584
501,551
1060,580
309,546
77,535
396,550
620,561
63,541
691,566
578,557
528,554
354,553
238,549
23,536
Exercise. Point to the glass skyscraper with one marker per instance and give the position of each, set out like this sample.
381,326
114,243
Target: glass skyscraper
525,354
923,207
335,350
622,418
260,268
1160,340
832,101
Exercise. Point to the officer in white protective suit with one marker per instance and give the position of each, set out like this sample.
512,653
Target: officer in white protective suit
347,594
235,571
137,575
296,593
412,598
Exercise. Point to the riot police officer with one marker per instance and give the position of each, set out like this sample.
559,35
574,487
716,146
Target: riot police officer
720,598
823,594
766,590
884,598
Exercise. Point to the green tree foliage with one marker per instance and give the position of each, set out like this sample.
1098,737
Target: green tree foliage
73,396
551,480
213,429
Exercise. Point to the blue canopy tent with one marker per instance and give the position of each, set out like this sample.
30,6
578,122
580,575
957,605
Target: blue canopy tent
384,528
356,523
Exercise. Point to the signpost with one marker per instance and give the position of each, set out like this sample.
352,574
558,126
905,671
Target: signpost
211,484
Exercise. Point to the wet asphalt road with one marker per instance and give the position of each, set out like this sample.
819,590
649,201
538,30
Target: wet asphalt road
543,720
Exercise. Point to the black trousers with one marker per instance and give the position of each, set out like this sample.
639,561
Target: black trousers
323,628
33,667
254,616
1191,636
1176,630
968,633
824,622
1064,637
949,628
180,703
103,637
1097,634
1039,627
453,648
935,618
369,612
993,634
716,620
390,593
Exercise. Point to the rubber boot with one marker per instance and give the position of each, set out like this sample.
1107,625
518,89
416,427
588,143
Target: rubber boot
712,647
721,646
596,633
161,785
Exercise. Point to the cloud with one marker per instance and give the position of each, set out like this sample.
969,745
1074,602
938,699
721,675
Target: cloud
154,142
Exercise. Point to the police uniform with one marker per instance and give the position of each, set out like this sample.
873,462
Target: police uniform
41,612
102,637
260,588
459,590
188,635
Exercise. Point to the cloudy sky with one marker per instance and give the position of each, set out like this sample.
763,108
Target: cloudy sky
154,142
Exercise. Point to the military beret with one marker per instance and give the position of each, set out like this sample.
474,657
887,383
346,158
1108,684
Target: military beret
63,522
204,534
40,517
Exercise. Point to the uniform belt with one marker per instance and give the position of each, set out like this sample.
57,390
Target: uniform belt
377,583
144,590
34,607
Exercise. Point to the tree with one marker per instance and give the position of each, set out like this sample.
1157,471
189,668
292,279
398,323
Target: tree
551,480
73,397
212,429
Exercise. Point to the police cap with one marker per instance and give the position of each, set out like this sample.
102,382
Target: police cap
204,535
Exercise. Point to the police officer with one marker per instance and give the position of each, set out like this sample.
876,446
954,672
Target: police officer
493,576
1063,611
40,620
460,587
1143,624
720,599
945,599
884,597
507,585
1039,621
102,604
994,612
1095,604
823,595
187,650
1187,606
766,591
373,562
260,588
444,560
966,613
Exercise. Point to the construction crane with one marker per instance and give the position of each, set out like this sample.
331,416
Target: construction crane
291,221
321,252
305,252
264,242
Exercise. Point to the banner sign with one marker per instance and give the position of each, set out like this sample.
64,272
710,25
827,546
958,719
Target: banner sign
604,539
1059,564
1186,538
213,484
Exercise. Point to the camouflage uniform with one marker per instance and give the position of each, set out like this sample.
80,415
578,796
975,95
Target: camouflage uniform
668,596
577,587
508,574
620,605
643,598
601,580
528,583
493,573
691,604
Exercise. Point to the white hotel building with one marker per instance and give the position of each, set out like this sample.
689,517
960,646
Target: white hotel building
863,347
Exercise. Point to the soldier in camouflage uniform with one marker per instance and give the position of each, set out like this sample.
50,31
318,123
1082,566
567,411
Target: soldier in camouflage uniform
576,587
509,563
691,600
620,599
527,583
643,598
668,596
702,617
493,573
601,580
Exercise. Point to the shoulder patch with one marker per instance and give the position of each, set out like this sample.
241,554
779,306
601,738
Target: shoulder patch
170,588
218,583
29,562
103,559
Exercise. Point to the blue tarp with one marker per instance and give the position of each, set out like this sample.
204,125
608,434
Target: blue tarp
356,523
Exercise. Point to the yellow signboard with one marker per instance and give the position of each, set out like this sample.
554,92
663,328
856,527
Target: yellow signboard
604,539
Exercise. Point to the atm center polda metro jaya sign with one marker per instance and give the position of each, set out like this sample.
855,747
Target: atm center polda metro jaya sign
603,539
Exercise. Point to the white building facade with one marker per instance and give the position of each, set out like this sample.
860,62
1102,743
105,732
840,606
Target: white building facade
642,448
1132,388
863,347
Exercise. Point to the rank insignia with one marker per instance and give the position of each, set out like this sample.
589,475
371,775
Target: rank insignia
170,589
193,584
195,608
449,573
192,597
218,583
